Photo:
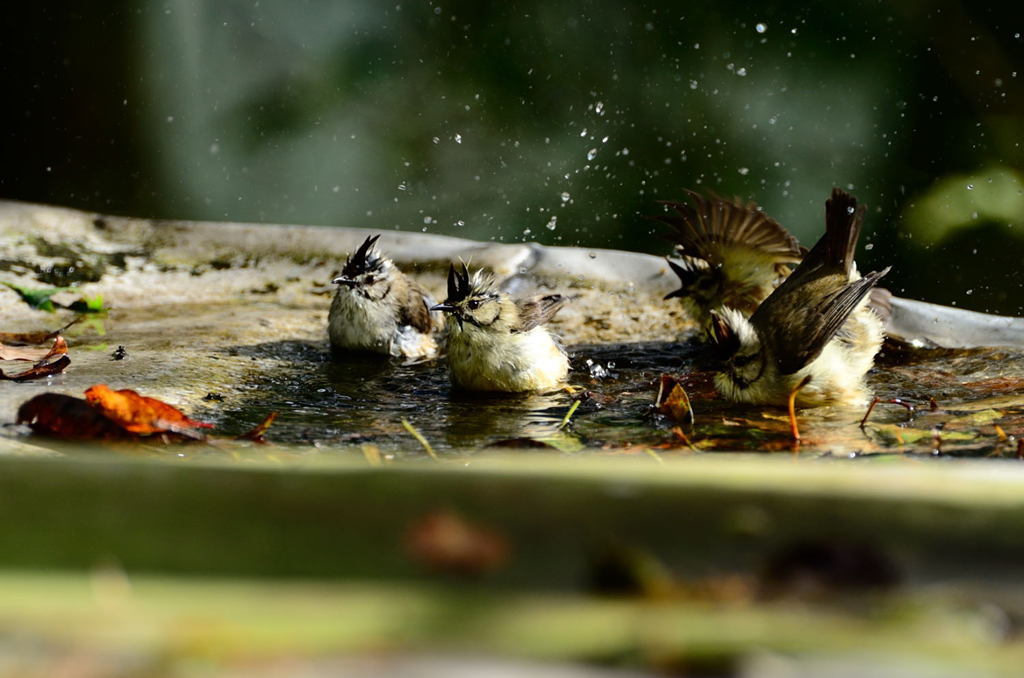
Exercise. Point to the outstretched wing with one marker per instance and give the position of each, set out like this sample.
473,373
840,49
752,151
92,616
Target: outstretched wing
712,226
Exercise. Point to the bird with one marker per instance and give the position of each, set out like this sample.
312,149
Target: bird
813,339
731,254
498,343
377,309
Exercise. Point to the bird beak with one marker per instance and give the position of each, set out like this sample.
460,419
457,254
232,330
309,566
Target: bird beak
678,293
444,308
342,280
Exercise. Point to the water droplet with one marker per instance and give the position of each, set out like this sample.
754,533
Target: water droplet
970,187
458,138
552,223
599,108
591,154
744,171
592,255
969,292
565,196
850,210
403,187
742,72
428,220
693,84
436,140
870,246
760,28
584,132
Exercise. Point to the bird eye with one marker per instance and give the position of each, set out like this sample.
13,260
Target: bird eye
369,280
743,360
473,304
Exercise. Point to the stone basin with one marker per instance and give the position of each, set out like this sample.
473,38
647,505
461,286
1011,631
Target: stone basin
227,322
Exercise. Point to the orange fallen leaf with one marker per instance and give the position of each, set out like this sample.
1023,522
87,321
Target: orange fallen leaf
140,414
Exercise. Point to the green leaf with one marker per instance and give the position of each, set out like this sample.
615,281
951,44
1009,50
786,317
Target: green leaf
84,305
38,298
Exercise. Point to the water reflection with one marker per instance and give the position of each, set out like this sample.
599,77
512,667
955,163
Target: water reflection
338,401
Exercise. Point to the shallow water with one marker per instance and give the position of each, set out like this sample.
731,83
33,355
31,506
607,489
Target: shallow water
330,401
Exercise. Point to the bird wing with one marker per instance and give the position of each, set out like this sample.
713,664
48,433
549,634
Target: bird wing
536,311
711,227
809,328
415,310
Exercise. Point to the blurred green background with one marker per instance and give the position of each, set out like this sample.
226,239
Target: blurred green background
561,122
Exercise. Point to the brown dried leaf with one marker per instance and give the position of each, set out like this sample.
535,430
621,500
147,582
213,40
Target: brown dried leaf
672,400
445,542
257,432
39,370
68,417
34,354
33,337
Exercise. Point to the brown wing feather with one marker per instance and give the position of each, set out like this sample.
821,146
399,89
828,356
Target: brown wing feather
536,311
415,311
827,266
711,224
843,221
820,323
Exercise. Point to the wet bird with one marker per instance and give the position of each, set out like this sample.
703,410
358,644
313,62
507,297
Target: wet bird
377,309
497,343
813,339
731,254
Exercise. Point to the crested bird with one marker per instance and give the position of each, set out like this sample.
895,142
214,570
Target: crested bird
731,254
377,309
499,343
813,339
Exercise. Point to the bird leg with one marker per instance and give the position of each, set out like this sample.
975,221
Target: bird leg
893,401
794,430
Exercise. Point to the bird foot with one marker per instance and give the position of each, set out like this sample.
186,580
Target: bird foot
794,430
